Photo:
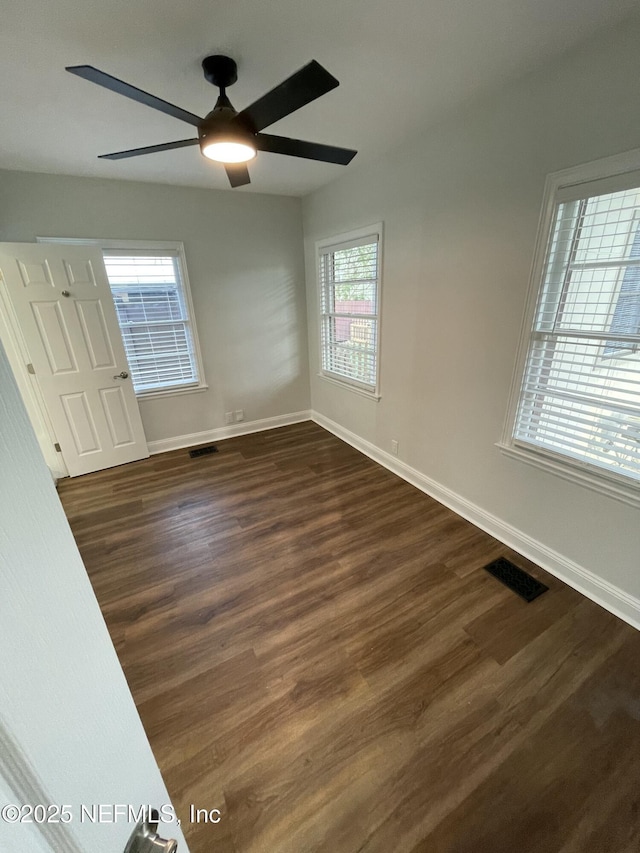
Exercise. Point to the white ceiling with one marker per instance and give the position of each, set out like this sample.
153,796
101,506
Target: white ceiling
400,63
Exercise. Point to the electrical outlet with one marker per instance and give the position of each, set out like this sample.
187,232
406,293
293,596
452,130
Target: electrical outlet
228,417
394,446
239,414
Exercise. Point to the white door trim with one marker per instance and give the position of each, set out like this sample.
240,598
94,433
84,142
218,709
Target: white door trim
20,777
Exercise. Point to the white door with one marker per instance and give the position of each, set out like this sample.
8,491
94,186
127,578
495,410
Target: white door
71,739
61,302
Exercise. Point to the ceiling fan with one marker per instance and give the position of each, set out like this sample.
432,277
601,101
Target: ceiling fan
232,137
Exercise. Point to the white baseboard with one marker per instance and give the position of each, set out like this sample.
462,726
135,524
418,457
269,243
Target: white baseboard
244,428
611,597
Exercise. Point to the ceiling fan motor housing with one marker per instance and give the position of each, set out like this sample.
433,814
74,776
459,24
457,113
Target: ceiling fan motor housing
221,125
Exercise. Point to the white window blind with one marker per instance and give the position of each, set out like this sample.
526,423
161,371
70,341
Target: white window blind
150,302
580,396
350,291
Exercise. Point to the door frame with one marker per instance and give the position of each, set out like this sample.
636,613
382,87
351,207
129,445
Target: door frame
21,778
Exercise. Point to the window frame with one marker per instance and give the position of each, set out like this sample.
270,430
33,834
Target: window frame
154,247
607,175
374,231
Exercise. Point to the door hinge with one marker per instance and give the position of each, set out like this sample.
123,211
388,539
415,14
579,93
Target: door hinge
31,369
57,447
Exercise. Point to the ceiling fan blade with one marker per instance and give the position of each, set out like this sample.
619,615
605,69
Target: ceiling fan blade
301,88
237,173
300,148
88,72
150,149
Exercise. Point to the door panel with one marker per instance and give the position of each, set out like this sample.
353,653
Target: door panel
62,303
81,423
55,337
115,409
96,336
79,273
34,274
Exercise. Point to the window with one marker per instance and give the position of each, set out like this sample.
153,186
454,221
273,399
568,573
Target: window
579,400
349,276
149,296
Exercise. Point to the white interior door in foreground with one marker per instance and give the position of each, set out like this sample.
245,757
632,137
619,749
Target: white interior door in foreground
61,302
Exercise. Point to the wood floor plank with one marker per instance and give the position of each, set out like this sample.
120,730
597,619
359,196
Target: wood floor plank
513,623
316,651
538,797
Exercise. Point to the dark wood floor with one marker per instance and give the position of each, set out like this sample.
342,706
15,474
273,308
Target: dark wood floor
315,650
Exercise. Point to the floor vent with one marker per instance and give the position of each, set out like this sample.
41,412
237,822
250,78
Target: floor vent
203,451
516,579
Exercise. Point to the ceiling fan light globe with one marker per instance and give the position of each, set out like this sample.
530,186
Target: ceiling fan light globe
226,151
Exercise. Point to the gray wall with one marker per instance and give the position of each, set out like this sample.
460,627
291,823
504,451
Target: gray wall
68,723
245,263
460,206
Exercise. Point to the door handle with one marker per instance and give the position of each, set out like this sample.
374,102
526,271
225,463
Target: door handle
145,839
122,375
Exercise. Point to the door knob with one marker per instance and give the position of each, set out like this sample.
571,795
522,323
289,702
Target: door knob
145,839
122,375
65,293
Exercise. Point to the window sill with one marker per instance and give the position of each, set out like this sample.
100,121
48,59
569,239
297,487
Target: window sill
610,486
170,392
370,395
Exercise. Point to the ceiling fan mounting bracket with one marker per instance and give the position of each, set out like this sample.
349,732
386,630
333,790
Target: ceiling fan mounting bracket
220,70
